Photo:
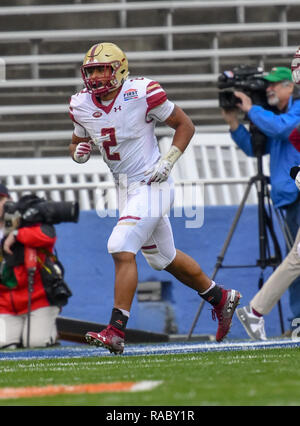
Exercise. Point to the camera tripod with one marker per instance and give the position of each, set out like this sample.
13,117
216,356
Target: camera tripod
265,226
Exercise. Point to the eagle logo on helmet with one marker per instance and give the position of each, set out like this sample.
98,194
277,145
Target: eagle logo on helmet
114,61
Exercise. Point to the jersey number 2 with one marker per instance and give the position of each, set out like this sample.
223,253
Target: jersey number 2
110,132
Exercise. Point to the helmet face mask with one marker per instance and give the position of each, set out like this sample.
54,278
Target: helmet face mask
98,85
112,63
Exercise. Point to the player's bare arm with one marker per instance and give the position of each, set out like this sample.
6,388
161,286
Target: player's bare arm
184,128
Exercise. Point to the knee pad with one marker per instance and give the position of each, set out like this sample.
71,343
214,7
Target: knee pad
157,260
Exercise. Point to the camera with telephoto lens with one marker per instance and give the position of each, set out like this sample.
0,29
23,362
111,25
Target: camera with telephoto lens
31,209
246,79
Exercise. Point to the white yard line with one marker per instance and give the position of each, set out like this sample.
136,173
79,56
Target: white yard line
154,349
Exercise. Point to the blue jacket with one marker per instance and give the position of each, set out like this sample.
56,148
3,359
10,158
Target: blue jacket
283,155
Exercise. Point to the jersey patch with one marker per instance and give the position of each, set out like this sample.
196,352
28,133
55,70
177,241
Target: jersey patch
97,114
130,94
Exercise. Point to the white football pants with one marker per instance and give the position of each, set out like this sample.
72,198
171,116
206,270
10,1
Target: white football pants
144,224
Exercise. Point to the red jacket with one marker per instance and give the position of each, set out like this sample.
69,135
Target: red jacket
295,138
15,301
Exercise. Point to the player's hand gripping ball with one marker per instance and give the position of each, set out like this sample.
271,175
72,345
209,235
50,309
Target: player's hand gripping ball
83,151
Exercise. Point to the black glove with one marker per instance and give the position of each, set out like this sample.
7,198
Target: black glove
294,171
295,174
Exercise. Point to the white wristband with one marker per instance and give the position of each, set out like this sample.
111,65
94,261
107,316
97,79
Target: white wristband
172,155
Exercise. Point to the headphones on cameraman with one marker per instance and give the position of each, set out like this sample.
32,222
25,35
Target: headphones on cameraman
11,217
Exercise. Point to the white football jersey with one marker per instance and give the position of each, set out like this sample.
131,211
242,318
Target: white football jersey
124,128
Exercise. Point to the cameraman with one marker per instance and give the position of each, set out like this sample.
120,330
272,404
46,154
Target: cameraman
283,95
252,315
14,294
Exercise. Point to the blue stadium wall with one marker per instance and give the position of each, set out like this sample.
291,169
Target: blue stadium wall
90,272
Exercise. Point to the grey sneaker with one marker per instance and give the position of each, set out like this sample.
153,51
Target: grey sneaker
254,325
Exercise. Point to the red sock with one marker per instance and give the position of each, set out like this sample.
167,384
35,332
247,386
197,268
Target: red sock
256,313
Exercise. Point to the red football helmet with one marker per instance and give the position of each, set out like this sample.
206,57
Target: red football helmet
295,67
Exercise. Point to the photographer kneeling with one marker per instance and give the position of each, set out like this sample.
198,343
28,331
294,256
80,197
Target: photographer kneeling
32,290
276,126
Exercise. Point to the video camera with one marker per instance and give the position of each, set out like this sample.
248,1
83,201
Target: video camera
31,209
246,79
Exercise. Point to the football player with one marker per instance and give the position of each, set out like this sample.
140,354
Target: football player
118,114
295,134
295,67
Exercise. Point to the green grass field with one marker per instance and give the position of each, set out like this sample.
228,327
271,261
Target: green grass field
257,377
